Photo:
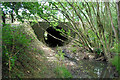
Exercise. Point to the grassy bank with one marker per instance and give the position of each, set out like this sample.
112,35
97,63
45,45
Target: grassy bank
23,60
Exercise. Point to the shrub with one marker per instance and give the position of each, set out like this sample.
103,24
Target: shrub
60,54
116,62
14,41
115,49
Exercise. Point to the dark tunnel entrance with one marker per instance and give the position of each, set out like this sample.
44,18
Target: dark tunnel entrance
51,41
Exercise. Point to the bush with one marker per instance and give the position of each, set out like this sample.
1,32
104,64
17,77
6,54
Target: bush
116,62
14,41
115,49
60,54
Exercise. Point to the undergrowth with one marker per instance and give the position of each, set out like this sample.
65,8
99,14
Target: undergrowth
116,62
116,59
14,42
20,61
62,72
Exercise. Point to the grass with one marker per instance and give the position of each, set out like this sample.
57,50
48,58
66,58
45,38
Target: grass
30,66
14,42
116,62
62,72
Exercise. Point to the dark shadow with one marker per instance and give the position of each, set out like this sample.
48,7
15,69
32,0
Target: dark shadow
51,41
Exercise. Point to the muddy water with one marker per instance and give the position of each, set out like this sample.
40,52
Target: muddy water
91,69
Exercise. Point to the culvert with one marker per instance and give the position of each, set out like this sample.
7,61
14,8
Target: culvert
53,38
51,42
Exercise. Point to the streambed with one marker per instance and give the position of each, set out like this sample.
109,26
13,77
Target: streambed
91,69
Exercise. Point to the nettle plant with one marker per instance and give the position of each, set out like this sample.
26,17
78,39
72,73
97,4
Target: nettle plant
60,54
14,41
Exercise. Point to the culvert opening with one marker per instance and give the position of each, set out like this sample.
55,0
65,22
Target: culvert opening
54,38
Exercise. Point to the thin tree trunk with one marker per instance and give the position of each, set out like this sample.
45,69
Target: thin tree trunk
3,17
113,27
12,17
118,7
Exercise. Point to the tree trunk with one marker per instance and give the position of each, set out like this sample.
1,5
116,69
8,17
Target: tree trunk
113,27
12,17
118,7
3,17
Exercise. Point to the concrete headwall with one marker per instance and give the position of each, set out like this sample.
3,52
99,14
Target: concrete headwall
44,25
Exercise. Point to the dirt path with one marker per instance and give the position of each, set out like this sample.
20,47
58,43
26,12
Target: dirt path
49,53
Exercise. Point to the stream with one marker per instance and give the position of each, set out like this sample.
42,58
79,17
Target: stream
83,68
90,69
